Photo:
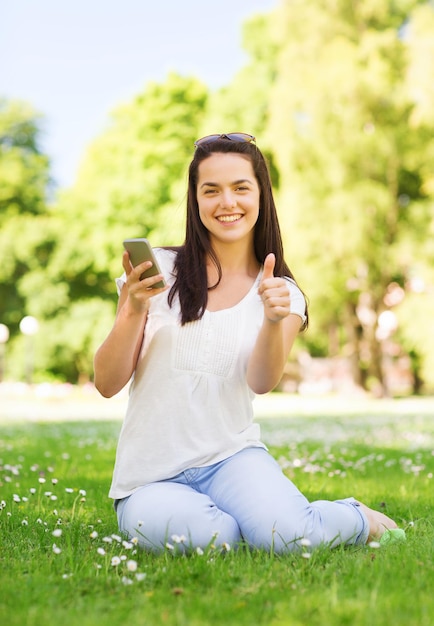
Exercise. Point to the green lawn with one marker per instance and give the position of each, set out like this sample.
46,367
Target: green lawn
62,561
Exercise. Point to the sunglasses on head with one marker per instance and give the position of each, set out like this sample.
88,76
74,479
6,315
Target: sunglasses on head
242,137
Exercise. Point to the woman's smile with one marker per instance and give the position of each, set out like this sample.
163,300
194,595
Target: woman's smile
228,219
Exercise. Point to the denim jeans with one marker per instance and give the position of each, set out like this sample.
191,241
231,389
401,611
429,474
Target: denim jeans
245,498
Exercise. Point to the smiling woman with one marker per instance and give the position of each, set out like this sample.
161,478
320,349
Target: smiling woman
228,201
190,460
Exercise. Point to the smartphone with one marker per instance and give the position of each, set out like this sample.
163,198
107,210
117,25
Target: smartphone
140,250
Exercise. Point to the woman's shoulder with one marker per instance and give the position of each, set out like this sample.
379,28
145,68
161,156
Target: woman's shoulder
168,252
298,300
166,257
292,284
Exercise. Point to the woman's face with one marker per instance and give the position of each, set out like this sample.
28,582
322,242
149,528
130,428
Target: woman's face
228,196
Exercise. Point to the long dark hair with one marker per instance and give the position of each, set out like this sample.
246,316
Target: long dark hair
191,282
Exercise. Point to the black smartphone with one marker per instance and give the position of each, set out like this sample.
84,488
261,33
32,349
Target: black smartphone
140,250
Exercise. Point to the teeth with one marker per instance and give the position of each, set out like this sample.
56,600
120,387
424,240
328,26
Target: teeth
228,218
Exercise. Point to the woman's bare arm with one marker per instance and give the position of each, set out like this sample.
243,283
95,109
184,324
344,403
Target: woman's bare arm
271,351
116,359
277,335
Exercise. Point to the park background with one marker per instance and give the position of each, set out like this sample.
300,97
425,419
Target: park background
340,96
100,103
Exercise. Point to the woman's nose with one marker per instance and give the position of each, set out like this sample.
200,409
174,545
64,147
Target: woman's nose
228,200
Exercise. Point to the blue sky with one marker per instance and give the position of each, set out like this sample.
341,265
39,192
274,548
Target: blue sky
76,61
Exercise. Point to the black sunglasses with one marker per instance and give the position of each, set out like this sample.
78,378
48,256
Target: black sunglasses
242,137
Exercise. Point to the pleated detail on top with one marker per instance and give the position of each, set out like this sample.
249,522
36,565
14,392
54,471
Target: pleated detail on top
211,345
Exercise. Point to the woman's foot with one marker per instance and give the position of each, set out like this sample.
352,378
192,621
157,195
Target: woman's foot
378,522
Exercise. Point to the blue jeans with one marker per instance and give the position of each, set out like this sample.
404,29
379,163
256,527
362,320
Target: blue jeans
245,498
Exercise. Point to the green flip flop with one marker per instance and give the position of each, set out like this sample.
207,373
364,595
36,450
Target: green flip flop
392,535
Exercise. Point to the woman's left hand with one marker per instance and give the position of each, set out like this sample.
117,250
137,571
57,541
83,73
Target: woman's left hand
274,292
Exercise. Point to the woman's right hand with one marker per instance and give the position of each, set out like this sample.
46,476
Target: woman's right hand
139,291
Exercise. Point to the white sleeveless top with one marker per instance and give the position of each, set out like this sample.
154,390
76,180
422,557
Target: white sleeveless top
189,404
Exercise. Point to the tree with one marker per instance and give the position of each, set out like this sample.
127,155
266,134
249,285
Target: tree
24,183
129,185
243,104
355,156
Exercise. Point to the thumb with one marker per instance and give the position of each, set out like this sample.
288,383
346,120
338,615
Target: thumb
269,263
126,262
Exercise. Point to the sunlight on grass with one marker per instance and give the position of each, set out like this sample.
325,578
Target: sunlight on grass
65,561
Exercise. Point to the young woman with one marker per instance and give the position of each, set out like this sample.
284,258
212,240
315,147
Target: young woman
190,462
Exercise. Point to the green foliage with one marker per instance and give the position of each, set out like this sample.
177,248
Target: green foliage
354,148
60,266
23,168
24,176
130,175
244,104
340,96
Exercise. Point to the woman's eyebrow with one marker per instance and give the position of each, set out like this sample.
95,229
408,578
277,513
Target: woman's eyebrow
206,184
235,182
242,180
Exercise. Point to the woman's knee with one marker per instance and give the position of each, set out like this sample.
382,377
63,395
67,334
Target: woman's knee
164,513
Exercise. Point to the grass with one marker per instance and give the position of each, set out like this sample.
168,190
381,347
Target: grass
59,542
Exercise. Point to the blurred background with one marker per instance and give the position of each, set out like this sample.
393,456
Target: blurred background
100,103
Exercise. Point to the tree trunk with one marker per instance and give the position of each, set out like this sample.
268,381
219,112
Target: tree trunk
365,353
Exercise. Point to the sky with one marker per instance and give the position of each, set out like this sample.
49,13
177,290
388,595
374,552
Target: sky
77,61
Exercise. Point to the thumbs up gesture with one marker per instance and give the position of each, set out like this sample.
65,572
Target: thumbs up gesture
274,292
